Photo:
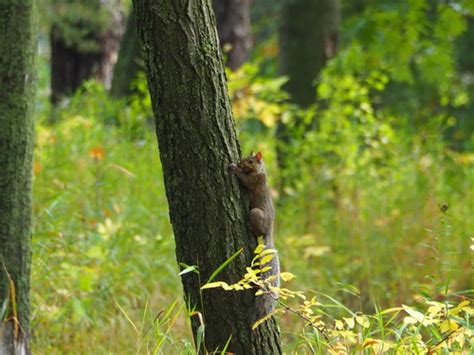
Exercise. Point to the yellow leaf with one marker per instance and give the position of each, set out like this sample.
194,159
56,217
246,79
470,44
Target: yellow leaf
391,310
418,316
460,307
460,339
350,322
259,248
268,251
339,324
448,326
435,308
266,259
260,321
409,320
251,271
286,276
363,321
215,285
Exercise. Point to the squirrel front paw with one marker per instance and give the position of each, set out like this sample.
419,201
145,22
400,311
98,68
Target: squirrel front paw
232,166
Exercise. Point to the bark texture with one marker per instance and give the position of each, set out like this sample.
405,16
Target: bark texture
308,38
197,140
17,88
233,26
128,61
73,63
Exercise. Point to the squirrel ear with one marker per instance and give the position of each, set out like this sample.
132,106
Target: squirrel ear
252,153
259,156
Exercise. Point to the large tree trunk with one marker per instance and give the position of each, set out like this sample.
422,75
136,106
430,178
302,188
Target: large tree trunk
197,140
76,60
17,88
128,61
233,26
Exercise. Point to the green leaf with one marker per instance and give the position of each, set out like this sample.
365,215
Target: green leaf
224,264
188,270
200,335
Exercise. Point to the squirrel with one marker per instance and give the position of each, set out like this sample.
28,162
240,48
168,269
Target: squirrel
251,172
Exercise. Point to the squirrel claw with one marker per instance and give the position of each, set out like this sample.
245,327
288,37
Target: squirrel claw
232,166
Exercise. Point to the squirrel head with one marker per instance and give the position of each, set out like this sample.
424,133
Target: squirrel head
253,164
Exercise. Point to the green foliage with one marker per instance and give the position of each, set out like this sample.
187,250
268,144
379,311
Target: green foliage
80,23
413,44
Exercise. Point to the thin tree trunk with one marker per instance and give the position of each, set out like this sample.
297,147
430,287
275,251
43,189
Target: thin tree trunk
17,88
233,26
129,60
197,140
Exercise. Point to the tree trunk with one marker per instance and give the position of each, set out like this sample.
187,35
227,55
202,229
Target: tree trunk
129,60
197,140
17,87
233,26
308,38
73,62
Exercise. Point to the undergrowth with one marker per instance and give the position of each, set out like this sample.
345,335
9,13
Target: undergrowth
381,229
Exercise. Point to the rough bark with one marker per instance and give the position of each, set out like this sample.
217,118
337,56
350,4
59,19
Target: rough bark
128,61
233,27
72,64
17,87
308,38
197,140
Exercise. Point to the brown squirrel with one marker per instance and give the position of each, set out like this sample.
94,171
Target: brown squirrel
251,172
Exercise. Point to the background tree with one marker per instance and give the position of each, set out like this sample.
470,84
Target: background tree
197,140
17,88
233,26
128,61
84,41
308,36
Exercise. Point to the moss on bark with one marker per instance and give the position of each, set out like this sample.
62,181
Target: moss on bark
17,88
